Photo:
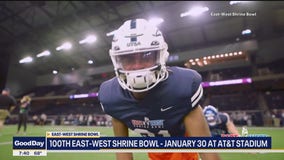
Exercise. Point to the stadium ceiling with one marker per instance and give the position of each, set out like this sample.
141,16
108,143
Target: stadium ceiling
30,27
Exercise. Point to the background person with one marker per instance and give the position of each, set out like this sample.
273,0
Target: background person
219,122
42,119
23,113
7,105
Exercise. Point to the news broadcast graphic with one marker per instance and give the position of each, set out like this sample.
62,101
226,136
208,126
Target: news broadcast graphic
29,146
91,141
158,143
71,134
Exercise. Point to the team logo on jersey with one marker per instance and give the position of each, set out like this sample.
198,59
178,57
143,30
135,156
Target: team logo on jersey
147,123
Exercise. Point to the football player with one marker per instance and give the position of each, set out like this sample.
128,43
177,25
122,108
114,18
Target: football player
219,123
148,97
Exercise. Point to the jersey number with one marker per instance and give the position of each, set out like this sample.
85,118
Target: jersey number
146,133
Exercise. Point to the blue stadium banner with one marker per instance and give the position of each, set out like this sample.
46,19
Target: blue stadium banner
158,143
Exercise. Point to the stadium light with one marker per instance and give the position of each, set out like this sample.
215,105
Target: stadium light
54,71
156,21
89,39
195,11
90,61
26,60
246,31
43,54
64,46
237,2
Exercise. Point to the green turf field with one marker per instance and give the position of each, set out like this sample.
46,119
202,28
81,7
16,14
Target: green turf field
9,131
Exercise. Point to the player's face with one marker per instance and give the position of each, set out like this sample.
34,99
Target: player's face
138,61
211,119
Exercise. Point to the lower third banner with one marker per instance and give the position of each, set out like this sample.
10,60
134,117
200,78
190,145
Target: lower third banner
158,143
39,146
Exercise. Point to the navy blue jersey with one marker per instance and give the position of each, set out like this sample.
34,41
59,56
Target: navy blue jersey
162,110
221,125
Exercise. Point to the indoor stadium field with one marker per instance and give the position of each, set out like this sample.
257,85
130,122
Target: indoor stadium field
10,130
